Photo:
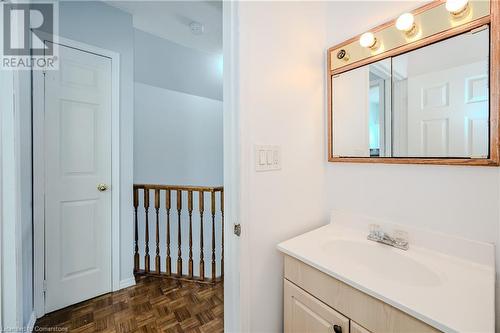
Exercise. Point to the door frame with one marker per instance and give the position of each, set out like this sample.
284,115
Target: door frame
236,249
11,292
39,171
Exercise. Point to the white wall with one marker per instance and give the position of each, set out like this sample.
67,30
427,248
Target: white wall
281,101
457,200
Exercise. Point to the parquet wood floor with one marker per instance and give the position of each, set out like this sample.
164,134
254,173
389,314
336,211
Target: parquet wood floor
152,305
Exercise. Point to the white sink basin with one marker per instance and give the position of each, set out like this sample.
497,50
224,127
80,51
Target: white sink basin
382,260
429,285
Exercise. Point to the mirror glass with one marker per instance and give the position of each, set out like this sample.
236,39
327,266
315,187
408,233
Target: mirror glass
427,103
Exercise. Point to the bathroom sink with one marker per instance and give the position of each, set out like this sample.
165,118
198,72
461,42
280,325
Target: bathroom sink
429,281
381,260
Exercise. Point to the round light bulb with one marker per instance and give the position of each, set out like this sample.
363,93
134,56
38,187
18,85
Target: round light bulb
405,22
456,6
367,40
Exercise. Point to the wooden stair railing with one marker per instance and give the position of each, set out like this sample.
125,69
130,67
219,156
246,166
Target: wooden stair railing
217,223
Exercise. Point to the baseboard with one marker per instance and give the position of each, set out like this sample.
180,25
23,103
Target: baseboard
127,282
31,323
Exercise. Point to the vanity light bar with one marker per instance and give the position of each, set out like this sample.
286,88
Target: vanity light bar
431,19
406,22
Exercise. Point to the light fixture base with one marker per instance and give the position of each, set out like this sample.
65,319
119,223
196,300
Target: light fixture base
412,31
461,13
375,45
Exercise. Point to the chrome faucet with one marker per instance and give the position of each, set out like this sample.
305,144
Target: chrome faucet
398,240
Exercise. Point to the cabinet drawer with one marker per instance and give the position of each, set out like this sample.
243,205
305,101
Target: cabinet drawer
356,328
306,314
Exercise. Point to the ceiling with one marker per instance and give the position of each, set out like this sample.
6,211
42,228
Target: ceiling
171,19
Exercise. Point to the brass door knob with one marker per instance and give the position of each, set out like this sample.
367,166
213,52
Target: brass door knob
102,187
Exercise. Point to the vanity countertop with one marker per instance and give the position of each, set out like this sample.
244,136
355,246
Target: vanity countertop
449,292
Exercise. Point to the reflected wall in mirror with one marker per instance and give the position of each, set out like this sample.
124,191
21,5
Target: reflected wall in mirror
361,101
427,103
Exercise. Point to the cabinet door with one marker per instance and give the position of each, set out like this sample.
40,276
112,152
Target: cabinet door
356,328
306,314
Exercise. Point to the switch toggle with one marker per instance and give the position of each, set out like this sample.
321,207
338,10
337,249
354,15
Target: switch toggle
267,157
262,157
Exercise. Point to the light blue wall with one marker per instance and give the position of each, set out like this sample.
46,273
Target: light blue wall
95,23
178,141
178,134
178,138
26,195
12,266
178,113
162,63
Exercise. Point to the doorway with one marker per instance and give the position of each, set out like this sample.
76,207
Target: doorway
98,34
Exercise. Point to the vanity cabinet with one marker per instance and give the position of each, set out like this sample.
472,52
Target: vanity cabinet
317,302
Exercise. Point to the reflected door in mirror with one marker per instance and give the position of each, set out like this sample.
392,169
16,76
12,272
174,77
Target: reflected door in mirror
441,99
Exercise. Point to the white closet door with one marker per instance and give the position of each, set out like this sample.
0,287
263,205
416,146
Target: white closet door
448,112
77,159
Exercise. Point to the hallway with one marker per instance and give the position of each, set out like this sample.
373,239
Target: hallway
152,305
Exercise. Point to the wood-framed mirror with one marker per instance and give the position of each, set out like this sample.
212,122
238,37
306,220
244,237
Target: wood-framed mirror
420,89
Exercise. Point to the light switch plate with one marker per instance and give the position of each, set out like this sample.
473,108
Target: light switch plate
267,157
